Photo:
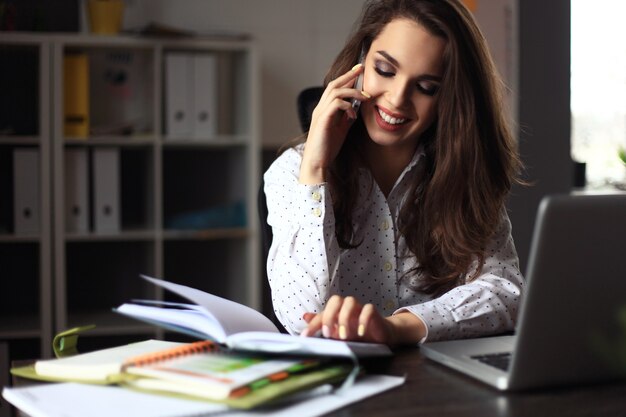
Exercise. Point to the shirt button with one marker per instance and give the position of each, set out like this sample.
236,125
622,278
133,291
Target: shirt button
317,212
384,225
316,196
388,266
390,305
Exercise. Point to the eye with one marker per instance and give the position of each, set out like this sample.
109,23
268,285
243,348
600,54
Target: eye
383,69
427,88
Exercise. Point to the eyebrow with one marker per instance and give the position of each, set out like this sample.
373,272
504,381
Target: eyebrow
395,63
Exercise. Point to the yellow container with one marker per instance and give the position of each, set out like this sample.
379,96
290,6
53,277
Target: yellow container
105,16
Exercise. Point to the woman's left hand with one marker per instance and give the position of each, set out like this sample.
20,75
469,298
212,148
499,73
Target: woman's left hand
346,319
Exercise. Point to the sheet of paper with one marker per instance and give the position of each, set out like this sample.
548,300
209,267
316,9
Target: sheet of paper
317,346
79,400
322,403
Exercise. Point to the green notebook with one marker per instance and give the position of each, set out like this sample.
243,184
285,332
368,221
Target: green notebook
270,393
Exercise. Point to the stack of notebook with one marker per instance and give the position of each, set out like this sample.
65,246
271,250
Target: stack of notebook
200,370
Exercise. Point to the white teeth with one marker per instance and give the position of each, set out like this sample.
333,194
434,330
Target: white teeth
389,119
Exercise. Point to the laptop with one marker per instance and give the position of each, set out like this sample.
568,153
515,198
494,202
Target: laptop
569,329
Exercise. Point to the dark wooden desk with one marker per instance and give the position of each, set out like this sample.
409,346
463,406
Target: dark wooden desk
434,390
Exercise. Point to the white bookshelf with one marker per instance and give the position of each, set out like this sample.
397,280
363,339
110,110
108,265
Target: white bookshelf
83,275
26,259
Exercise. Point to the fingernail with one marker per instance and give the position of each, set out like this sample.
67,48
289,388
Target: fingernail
305,332
356,67
343,335
361,330
326,331
366,94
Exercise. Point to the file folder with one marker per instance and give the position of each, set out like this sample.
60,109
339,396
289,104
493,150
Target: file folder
26,213
178,95
5,410
76,190
205,89
106,190
76,95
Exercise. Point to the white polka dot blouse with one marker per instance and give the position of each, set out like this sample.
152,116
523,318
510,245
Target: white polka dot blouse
305,265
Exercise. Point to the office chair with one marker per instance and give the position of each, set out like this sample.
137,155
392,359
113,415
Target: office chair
306,102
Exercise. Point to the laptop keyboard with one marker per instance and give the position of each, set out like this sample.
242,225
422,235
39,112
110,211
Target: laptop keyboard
497,360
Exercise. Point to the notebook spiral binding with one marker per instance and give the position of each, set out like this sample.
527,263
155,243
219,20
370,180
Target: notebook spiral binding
168,354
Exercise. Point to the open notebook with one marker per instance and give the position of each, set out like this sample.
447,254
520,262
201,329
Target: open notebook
572,324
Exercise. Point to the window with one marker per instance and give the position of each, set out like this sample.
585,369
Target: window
598,89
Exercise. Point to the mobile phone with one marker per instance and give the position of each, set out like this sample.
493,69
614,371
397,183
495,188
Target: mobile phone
358,84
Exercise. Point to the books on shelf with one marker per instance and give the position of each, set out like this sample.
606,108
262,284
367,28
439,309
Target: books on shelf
236,326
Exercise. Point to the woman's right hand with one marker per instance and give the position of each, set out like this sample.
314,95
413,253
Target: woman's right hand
331,119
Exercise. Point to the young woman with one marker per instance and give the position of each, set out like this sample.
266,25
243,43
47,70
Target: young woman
389,221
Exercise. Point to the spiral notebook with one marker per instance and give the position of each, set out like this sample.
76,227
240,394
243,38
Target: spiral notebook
202,370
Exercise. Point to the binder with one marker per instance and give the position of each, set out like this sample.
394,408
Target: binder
106,190
26,191
5,410
205,89
76,95
76,190
178,95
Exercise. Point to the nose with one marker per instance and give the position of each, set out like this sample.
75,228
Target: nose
399,92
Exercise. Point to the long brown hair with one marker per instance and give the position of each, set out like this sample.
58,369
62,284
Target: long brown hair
471,157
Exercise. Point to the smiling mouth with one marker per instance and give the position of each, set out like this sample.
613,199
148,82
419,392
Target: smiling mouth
390,119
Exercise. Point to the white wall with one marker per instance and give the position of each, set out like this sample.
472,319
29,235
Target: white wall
297,41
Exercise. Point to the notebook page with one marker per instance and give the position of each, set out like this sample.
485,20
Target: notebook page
233,317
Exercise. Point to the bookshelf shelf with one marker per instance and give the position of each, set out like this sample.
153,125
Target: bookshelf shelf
121,141
223,141
208,234
126,235
24,326
77,271
19,140
11,238
25,253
